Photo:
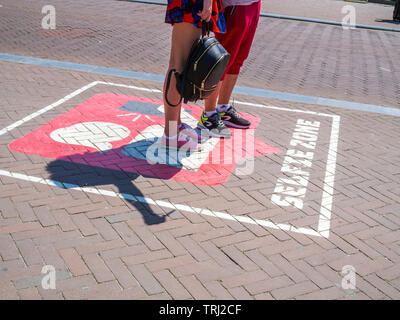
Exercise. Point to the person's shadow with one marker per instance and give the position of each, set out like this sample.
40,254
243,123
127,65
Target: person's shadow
76,170
388,21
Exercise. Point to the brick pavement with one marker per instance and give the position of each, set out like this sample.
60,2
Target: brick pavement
109,247
370,13
290,56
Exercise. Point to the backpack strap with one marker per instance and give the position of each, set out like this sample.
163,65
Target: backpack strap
205,28
172,71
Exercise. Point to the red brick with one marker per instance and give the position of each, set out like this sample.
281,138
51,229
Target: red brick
244,278
101,246
20,227
45,217
105,229
294,290
240,293
195,288
390,273
37,233
170,243
233,253
79,282
193,248
268,285
218,291
84,225
146,279
212,234
51,256
373,266
29,294
7,290
191,229
217,254
74,262
64,220
264,263
25,212
301,252
383,286
8,250
313,274
126,233
102,291
29,252
256,243
158,265
172,285
272,249
331,293
287,268
122,274
98,267
236,238
146,257
123,252
148,238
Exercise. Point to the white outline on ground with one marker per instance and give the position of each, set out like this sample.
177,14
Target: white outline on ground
327,196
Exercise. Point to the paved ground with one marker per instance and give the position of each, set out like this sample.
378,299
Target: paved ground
181,240
366,13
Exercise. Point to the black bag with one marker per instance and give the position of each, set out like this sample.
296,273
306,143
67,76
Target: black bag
396,11
203,70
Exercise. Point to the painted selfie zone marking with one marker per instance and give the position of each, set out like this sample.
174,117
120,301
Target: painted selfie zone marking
327,194
122,133
291,187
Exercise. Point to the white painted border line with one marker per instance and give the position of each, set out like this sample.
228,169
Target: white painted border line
66,98
325,213
162,203
324,221
45,109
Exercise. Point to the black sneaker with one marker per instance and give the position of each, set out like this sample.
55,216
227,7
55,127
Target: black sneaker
232,119
213,126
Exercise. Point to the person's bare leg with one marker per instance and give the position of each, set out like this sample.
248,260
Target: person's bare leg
227,87
230,118
211,102
183,36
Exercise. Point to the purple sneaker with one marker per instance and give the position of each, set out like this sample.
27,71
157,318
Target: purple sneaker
187,130
180,142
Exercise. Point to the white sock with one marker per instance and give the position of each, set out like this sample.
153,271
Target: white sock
170,138
222,107
209,113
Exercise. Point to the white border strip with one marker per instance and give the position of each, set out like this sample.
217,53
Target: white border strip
161,203
327,199
324,222
66,98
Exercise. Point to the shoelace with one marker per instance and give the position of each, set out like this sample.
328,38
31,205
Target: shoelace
218,120
234,112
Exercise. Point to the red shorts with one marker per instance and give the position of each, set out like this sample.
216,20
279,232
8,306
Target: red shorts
241,24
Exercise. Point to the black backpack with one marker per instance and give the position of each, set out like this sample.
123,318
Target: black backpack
203,70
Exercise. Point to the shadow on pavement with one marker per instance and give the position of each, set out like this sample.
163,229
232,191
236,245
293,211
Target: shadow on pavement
71,170
387,21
